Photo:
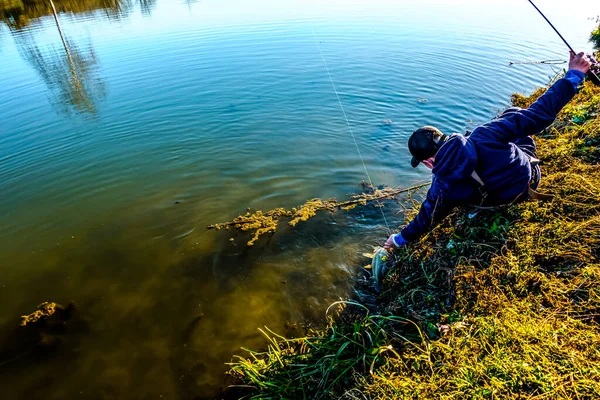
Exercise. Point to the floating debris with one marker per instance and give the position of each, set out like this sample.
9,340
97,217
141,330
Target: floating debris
550,62
259,222
387,121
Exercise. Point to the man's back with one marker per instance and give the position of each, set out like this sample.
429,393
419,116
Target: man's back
504,145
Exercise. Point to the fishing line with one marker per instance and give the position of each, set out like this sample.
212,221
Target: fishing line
350,129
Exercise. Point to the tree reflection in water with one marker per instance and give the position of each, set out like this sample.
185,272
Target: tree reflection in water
71,73
146,6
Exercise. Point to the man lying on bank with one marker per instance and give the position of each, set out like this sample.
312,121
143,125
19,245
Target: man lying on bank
495,165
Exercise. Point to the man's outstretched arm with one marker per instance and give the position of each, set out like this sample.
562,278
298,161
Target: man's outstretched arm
543,112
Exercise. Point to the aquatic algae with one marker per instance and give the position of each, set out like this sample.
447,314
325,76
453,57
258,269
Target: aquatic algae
309,210
260,222
44,310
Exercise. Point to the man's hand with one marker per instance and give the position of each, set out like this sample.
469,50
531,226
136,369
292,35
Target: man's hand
394,241
389,244
579,62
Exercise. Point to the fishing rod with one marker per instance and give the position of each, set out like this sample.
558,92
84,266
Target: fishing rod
597,80
552,26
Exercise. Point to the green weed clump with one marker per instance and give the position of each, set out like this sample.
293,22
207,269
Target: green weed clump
502,305
586,107
595,38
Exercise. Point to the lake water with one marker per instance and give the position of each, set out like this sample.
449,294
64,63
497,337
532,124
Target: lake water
162,117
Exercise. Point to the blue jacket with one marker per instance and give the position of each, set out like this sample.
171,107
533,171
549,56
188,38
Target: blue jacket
490,152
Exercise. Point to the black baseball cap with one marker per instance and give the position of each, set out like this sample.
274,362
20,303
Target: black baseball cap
424,143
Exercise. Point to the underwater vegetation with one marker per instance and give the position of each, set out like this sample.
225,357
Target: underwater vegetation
503,305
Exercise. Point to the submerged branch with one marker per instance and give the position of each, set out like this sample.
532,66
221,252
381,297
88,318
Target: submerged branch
551,62
260,223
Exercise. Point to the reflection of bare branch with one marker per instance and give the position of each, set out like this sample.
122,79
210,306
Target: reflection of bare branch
70,75
76,82
146,6
60,32
190,2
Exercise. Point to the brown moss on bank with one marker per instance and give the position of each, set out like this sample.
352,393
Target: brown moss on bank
503,305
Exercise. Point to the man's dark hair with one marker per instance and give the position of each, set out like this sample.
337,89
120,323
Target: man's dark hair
424,143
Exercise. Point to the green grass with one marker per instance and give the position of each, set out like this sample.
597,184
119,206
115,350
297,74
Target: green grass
595,38
505,305
318,366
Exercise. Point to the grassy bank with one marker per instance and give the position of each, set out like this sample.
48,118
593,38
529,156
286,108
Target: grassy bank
502,305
